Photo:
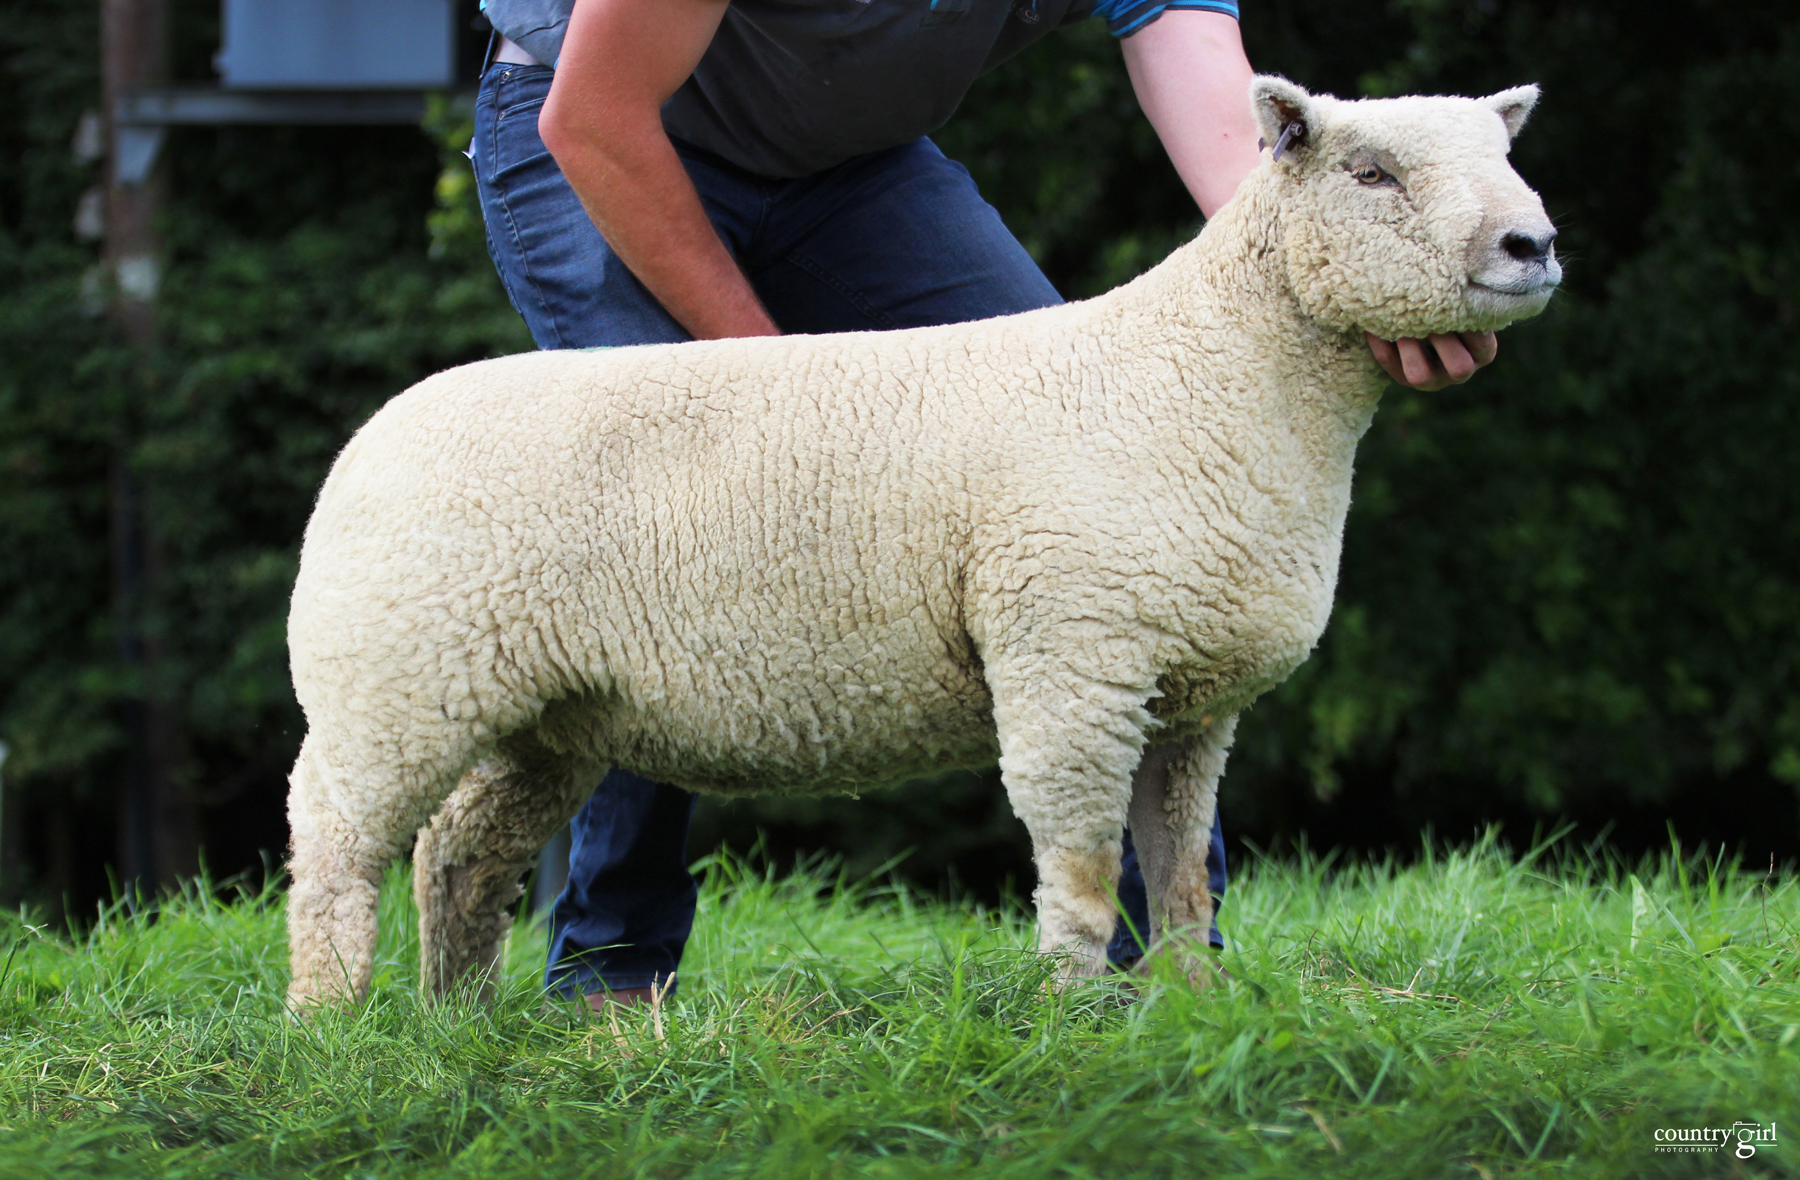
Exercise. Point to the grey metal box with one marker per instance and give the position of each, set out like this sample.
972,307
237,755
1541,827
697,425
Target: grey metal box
338,44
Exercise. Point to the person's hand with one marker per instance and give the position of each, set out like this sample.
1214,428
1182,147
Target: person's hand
1431,364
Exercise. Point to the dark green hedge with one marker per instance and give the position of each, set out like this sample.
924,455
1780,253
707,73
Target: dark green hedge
1569,588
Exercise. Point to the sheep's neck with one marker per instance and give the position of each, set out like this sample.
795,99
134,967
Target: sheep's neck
1234,279
1227,295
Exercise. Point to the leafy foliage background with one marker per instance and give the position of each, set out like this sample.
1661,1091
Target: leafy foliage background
1568,588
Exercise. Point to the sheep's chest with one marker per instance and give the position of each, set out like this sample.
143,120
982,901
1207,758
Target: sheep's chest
1247,636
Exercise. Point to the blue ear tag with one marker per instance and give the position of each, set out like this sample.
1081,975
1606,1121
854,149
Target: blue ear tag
1287,136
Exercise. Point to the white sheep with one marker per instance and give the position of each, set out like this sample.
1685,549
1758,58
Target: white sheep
827,563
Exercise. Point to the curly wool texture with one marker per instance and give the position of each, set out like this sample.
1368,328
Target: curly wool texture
830,563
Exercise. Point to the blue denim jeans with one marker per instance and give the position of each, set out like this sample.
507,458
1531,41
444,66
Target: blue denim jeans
893,239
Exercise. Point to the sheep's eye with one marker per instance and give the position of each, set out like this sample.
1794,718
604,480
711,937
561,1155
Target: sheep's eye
1370,174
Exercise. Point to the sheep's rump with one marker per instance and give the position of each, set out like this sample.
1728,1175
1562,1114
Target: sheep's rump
655,568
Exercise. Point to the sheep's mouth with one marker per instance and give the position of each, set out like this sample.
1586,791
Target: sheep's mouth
1497,304
1523,289
1521,281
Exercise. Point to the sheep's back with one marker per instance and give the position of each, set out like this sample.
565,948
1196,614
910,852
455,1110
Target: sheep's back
734,564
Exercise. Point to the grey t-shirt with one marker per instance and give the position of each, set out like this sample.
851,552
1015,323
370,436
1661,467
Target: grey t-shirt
791,87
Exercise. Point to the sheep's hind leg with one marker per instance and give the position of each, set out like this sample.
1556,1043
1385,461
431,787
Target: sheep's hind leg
1174,798
350,811
467,863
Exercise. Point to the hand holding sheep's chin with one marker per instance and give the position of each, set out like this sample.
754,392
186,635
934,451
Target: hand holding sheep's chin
1451,359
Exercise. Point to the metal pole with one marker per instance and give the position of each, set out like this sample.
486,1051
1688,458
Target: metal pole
156,828
5,847
133,35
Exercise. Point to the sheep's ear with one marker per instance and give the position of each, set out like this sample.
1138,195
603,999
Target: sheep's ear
1286,114
1514,107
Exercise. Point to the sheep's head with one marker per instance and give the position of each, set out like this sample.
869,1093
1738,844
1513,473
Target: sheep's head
1402,216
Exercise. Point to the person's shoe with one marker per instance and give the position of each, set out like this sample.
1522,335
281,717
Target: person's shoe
625,997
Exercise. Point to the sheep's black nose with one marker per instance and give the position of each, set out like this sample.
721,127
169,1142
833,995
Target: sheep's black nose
1527,248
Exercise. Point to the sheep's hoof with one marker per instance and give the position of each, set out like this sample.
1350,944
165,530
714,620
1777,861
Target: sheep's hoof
1199,965
1207,972
303,1003
308,995
1076,964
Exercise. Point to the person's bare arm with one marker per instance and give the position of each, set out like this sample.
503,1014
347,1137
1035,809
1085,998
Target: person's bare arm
621,60
1193,81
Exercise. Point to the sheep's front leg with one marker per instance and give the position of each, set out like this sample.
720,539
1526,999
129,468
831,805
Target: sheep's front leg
1068,745
1174,799
467,863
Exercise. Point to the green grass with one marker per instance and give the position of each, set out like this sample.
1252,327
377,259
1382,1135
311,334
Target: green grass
1470,1015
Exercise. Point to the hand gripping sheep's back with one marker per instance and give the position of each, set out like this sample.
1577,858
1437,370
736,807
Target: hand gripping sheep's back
1080,539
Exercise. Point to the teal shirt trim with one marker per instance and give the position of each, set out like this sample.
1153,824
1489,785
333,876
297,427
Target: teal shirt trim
1125,17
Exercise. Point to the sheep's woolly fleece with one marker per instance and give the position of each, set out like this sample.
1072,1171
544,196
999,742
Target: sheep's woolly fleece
828,563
